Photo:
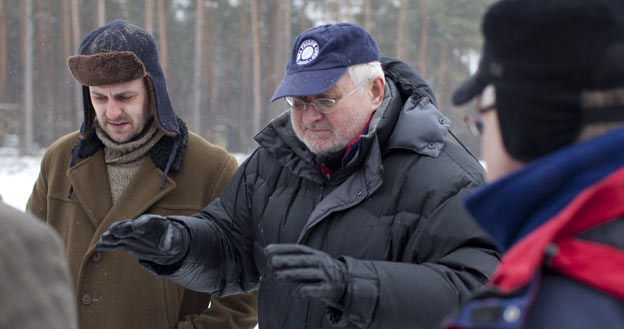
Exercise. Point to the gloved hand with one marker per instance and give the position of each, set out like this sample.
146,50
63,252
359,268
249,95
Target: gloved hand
151,238
314,273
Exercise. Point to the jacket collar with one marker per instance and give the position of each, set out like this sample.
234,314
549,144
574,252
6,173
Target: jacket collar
515,205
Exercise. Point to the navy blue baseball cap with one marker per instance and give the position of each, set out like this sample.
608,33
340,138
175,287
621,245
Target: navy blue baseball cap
321,56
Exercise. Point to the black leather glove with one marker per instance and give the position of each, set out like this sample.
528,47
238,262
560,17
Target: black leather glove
314,273
151,238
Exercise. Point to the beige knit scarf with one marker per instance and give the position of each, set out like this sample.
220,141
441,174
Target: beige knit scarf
124,160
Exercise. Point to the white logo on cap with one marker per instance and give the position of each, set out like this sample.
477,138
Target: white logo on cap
308,51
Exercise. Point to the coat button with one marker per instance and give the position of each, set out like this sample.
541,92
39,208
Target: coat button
96,257
86,299
431,145
358,193
441,120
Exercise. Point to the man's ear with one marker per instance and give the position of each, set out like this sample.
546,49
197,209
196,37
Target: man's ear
377,91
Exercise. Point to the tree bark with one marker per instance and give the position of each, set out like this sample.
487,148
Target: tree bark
337,11
149,16
76,42
27,141
101,9
277,44
162,35
368,16
210,60
424,38
287,30
197,74
127,10
402,26
303,18
255,37
43,55
243,116
3,53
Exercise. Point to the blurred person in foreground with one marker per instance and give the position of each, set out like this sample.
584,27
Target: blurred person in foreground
550,92
349,213
132,155
35,284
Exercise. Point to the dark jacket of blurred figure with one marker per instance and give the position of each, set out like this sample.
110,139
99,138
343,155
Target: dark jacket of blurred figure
552,109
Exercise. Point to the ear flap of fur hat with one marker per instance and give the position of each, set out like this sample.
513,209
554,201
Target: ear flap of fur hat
106,68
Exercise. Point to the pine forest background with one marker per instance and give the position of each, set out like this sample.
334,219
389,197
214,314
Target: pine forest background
222,59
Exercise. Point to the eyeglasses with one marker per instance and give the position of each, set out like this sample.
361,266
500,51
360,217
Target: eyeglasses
486,101
321,105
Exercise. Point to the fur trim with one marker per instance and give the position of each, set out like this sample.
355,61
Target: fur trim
159,153
106,68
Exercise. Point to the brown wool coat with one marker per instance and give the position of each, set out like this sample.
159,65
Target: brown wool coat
112,289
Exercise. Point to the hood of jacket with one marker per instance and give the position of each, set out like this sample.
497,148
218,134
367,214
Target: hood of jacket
407,119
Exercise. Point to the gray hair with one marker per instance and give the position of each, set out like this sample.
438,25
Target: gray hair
361,73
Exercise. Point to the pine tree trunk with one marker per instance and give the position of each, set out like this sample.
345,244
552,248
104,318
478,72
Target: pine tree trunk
3,53
402,25
368,16
303,18
76,42
255,33
277,45
197,75
162,35
424,38
149,16
244,125
101,10
210,61
27,141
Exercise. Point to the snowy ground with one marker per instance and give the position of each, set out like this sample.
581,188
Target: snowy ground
17,176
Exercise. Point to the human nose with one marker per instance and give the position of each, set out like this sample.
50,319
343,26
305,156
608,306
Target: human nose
113,110
312,114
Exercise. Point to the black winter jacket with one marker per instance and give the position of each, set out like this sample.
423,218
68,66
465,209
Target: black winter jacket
393,214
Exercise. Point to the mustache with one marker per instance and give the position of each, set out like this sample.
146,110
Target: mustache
317,126
120,119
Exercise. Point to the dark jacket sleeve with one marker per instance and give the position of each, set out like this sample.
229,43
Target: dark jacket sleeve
220,259
459,257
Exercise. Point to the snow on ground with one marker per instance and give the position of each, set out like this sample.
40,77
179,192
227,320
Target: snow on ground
17,176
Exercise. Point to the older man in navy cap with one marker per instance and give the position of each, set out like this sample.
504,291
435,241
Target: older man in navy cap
349,212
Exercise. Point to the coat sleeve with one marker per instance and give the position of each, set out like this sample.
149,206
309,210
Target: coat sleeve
37,202
231,312
220,259
236,311
460,258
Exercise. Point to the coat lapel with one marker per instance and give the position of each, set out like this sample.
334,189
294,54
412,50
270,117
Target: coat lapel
90,183
142,192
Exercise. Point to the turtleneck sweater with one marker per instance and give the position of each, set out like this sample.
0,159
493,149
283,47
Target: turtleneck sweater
124,160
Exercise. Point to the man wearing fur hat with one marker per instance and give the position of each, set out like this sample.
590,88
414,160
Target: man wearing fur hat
349,212
132,155
550,92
